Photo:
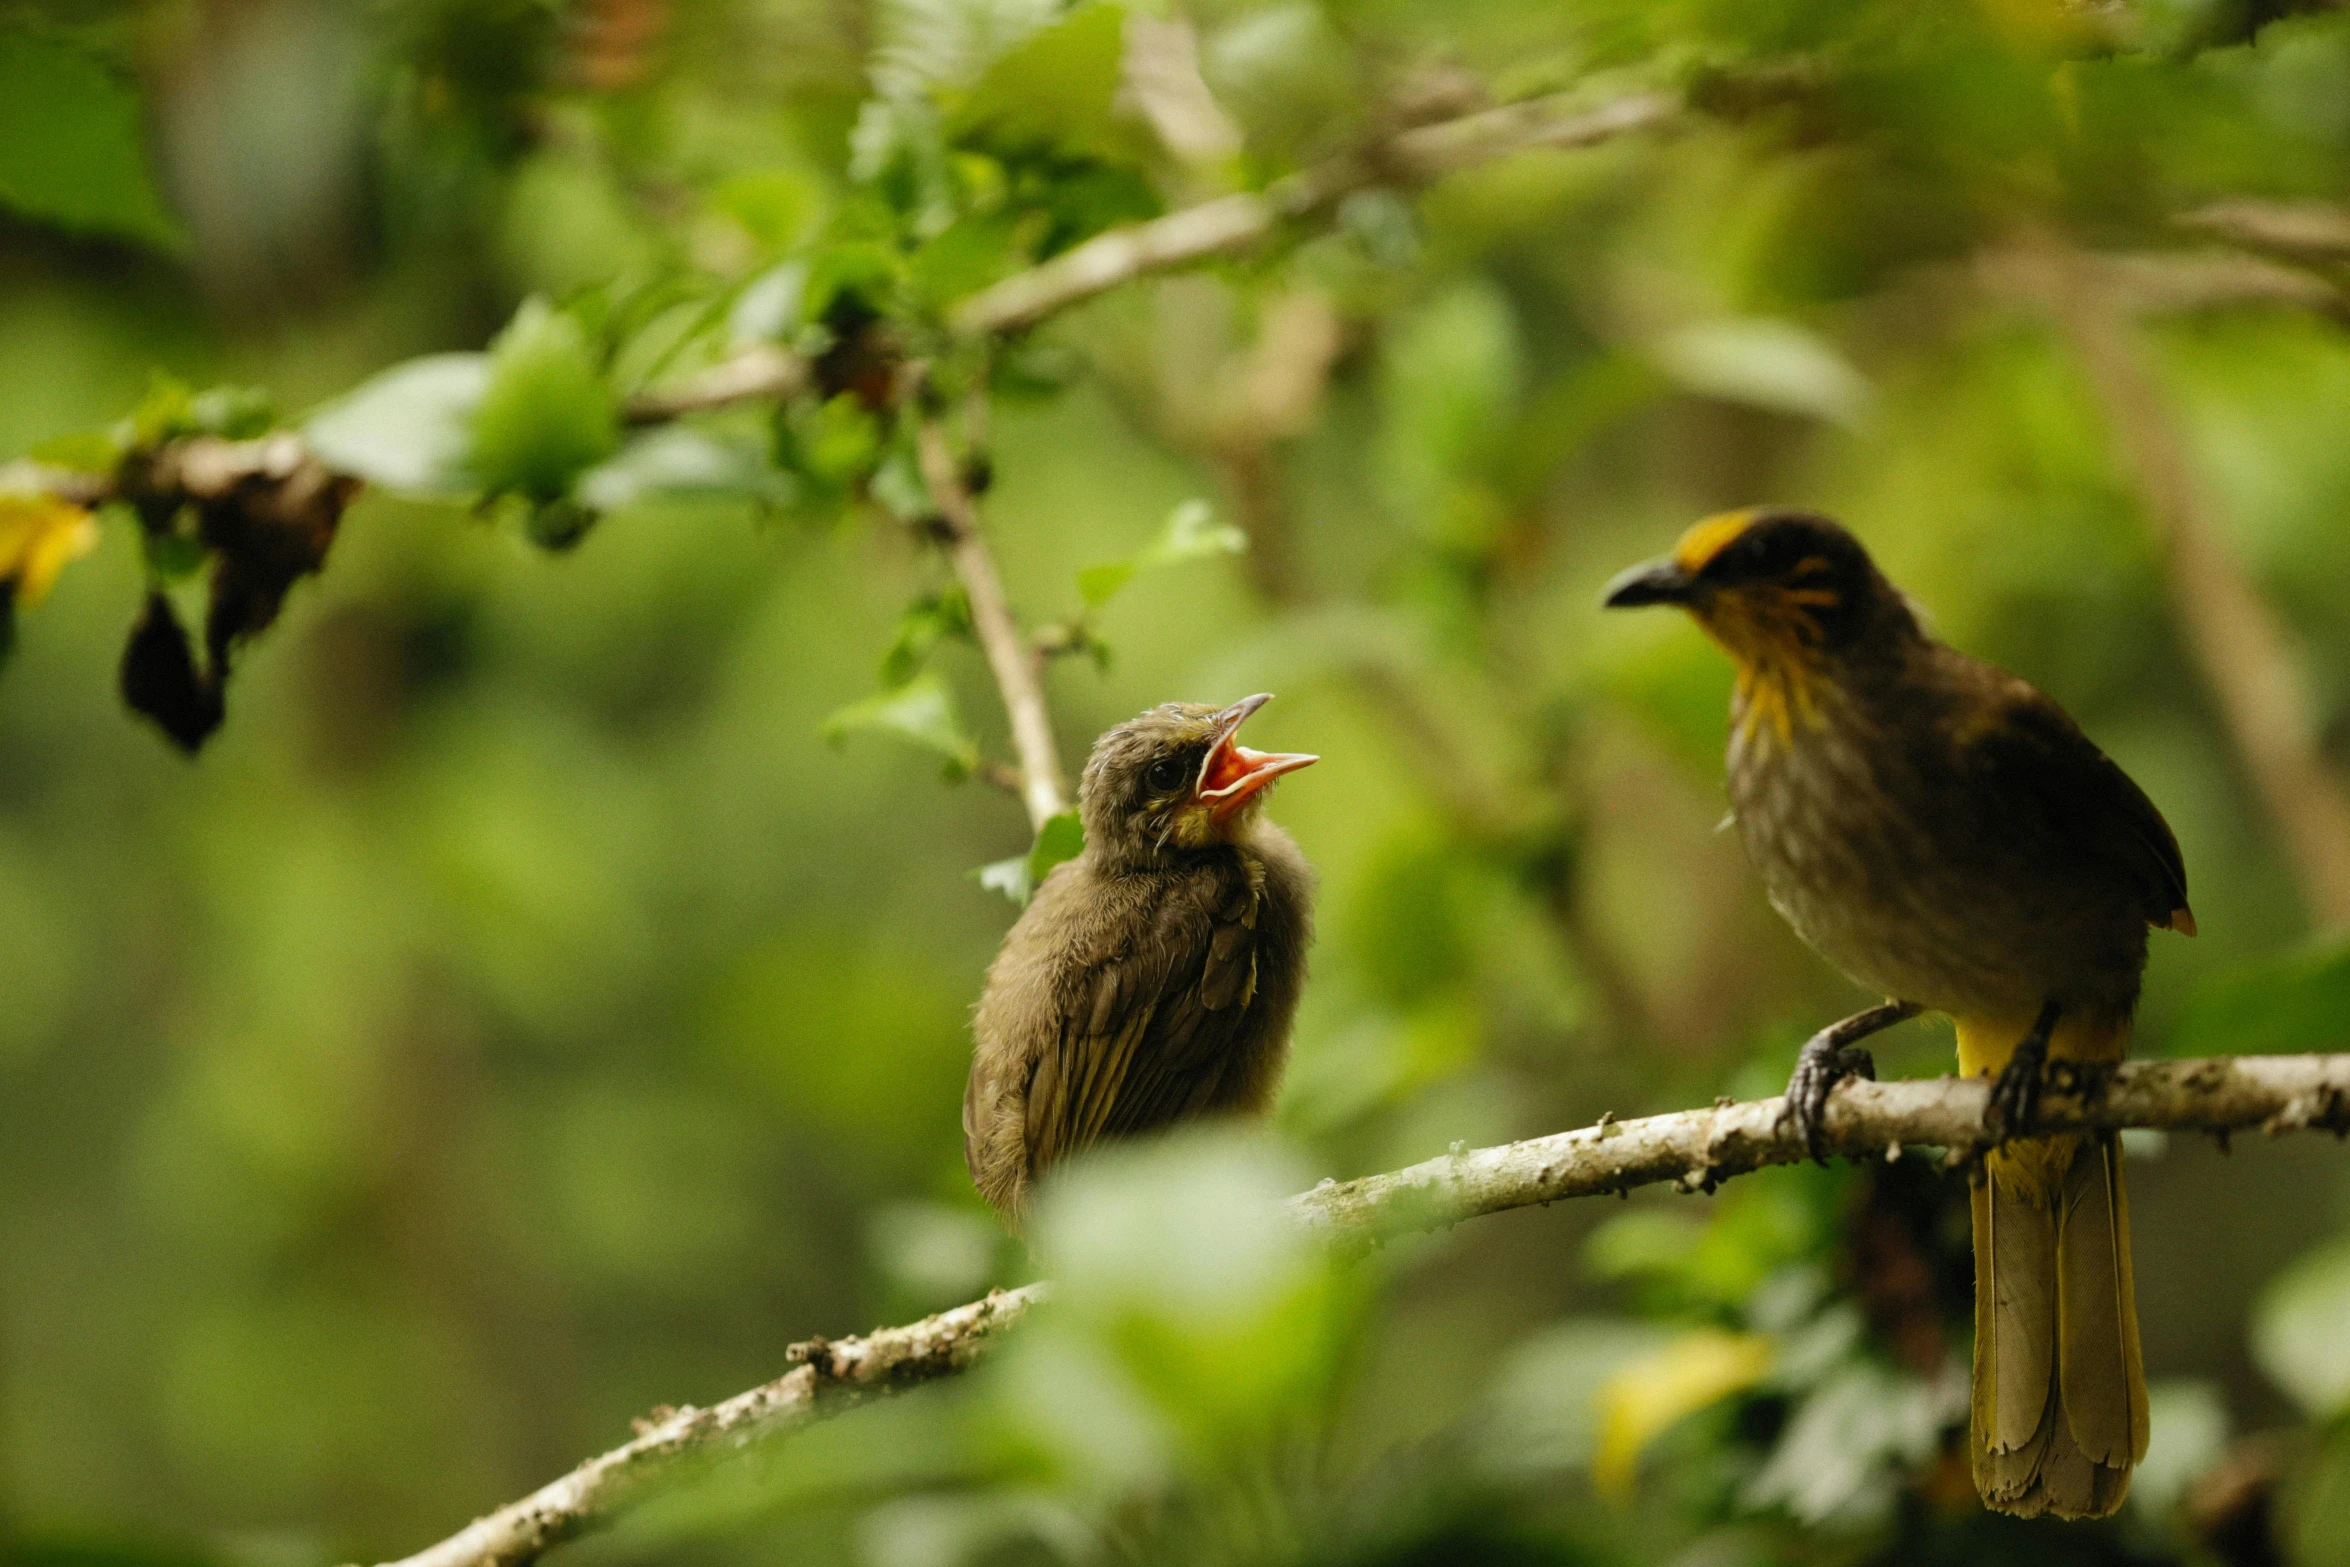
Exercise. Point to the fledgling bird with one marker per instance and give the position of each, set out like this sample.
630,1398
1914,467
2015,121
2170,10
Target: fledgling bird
1947,836
1153,978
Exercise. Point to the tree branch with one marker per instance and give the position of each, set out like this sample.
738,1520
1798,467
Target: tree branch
763,372
2305,230
1694,1150
195,468
1018,668
828,1376
767,372
1235,223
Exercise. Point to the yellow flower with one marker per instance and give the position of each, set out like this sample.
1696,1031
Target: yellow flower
1637,1403
39,535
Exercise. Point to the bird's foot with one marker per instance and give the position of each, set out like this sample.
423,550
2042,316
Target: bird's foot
1822,1064
2015,1092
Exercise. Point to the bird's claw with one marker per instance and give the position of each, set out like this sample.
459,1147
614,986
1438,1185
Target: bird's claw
2015,1096
1818,1069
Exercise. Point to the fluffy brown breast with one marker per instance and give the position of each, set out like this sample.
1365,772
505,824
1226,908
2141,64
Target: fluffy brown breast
1903,835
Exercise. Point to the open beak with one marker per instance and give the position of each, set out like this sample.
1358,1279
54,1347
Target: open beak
1232,771
1650,582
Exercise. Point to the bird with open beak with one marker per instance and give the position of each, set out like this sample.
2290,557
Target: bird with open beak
1153,978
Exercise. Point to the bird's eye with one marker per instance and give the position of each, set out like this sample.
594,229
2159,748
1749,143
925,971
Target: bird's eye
1167,774
1761,554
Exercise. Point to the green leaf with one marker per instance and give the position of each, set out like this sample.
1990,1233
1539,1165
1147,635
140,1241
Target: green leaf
2295,1004
165,411
835,443
409,428
928,621
774,206
173,555
769,305
1097,585
922,711
925,45
1062,837
1192,533
1055,94
847,272
2298,1335
234,413
559,525
82,451
684,462
1717,1262
970,253
72,148
1766,363
1200,1304
1849,1445
547,414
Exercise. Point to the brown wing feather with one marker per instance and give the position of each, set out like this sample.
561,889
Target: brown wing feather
1146,1029
1207,928
2085,799
1120,1005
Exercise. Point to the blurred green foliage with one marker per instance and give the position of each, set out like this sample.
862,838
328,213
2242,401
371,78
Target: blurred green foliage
520,1017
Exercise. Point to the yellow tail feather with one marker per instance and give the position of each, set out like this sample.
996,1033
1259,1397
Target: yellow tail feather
2059,1388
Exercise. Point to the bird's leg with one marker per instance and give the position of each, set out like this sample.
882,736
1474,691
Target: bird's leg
1830,1056
2015,1093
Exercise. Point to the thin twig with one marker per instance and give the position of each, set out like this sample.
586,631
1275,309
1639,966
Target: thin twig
1004,776
66,484
2154,283
1018,669
2305,230
761,373
1235,223
828,1376
1695,1150
195,468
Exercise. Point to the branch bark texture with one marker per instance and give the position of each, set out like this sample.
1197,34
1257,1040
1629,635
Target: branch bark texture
1229,224
1696,1150
829,1375
1693,1150
1011,656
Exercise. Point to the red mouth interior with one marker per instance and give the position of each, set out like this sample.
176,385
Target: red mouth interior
1233,772
1227,765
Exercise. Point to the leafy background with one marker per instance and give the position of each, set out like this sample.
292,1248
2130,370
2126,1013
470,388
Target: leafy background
521,1017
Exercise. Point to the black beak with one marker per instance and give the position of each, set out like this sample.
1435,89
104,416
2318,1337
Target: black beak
1650,582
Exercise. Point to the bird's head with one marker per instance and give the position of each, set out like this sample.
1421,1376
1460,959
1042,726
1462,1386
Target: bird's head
1776,587
1177,778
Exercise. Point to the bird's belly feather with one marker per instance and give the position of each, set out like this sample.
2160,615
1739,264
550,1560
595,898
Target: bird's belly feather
1913,906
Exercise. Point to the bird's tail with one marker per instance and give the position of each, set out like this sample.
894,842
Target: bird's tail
2059,1390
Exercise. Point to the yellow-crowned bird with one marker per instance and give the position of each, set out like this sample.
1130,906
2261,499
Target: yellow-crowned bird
1153,978
1947,836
